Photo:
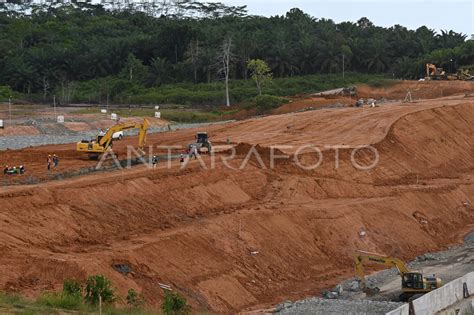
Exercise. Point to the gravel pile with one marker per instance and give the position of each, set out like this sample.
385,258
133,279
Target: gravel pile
324,306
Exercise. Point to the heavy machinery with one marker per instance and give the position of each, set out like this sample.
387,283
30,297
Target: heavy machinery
414,283
433,73
464,75
104,140
202,141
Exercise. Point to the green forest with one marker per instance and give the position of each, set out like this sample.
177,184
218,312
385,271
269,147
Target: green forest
81,52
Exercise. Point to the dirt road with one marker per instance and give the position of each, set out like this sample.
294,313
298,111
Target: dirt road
235,239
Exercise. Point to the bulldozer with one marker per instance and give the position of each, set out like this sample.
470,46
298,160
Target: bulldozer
464,75
104,140
414,284
201,141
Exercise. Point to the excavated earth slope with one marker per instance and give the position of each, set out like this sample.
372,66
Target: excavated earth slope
237,239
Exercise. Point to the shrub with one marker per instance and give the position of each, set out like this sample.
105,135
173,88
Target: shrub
174,304
134,299
265,103
5,93
99,286
72,288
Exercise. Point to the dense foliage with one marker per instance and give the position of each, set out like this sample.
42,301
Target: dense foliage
85,52
175,304
99,290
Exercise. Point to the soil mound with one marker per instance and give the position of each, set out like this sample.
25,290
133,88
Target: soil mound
231,239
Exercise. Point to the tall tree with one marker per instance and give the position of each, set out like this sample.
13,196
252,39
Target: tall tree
226,57
259,72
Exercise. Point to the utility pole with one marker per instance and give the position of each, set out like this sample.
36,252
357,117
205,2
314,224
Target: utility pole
10,109
107,105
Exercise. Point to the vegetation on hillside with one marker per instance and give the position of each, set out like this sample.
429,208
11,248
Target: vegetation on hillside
80,298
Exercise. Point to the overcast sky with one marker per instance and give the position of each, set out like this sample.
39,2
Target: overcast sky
457,15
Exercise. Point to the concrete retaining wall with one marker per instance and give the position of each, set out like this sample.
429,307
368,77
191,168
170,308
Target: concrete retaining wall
439,299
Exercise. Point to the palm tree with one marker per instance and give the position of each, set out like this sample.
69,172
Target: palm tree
207,61
159,70
329,56
306,50
450,39
280,55
377,60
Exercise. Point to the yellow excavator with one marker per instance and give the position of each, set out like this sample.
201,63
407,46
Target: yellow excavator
433,73
414,284
104,140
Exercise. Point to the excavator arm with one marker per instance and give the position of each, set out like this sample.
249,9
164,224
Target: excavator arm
103,142
430,69
142,134
107,138
361,257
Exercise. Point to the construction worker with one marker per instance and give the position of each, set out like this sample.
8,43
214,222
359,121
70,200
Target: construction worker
181,158
55,160
49,162
193,151
154,161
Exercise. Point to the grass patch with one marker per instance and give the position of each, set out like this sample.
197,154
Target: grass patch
264,103
59,300
11,299
55,303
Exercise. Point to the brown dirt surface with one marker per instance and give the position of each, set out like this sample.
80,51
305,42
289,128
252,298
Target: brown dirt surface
419,89
18,131
239,239
314,102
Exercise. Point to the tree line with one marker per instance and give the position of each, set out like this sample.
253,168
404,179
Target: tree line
53,49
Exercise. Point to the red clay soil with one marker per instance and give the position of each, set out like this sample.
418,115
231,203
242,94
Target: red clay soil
313,102
418,89
240,239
